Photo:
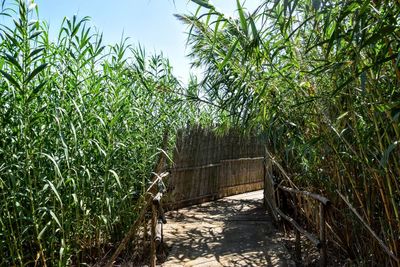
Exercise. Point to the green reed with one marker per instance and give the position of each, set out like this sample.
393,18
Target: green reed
322,79
80,128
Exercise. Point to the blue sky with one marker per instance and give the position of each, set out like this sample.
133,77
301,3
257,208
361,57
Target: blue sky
148,22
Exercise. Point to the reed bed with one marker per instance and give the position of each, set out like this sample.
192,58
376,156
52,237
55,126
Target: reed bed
322,79
80,127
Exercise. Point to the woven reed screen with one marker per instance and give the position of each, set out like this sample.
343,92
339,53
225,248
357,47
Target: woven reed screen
208,166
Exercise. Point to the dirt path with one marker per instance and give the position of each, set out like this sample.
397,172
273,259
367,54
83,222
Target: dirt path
234,231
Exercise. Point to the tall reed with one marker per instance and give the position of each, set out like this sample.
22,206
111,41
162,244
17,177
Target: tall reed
80,128
322,79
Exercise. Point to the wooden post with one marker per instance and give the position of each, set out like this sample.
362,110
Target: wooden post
265,181
298,248
153,236
322,236
269,188
277,197
131,233
297,232
145,230
159,233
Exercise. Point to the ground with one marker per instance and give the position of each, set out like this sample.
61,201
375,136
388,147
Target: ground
233,231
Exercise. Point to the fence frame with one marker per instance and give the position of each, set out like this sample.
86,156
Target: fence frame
208,166
273,203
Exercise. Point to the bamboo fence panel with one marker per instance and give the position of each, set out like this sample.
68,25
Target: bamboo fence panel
208,166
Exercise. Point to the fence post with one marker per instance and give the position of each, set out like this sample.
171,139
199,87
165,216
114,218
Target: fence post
265,181
298,248
270,194
153,236
322,236
298,241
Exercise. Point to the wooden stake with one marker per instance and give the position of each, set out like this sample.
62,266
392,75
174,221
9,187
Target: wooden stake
153,236
129,235
322,237
298,248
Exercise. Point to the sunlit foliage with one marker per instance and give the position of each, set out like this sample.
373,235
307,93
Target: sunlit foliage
322,79
80,128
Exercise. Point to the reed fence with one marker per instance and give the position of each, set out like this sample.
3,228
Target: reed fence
209,166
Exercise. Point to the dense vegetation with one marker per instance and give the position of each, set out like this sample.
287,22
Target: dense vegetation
81,123
80,128
322,78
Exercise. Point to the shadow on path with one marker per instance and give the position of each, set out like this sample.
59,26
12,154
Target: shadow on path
233,231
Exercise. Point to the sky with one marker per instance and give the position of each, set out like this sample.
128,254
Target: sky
148,22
